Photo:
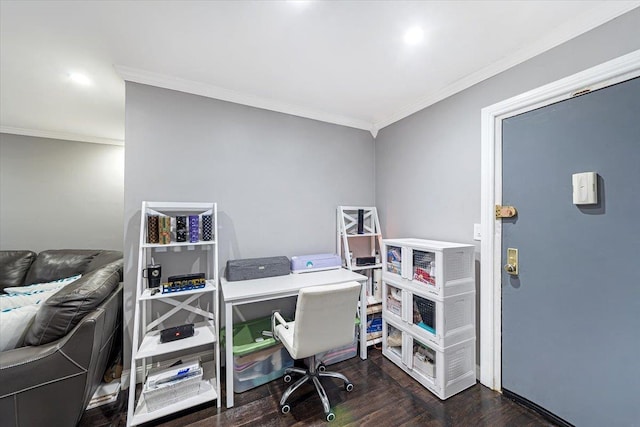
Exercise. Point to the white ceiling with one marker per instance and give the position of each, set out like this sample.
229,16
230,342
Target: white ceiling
341,62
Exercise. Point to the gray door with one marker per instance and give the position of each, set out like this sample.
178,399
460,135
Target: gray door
571,318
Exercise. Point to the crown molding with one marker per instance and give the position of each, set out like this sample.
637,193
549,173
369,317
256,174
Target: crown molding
216,92
60,135
583,23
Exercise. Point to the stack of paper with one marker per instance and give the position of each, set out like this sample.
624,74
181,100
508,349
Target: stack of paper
106,393
162,377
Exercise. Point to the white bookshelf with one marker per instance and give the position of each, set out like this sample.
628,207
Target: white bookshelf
363,236
201,304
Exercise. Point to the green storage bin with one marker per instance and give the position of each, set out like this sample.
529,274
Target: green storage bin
257,359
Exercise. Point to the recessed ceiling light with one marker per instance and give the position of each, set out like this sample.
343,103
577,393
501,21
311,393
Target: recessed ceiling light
413,35
80,79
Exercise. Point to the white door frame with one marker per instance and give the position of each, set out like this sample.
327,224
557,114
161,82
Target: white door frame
611,72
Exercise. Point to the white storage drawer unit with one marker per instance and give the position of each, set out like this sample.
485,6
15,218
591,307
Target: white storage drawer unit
440,321
428,312
441,268
444,372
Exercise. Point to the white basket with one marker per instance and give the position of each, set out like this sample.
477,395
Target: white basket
164,395
424,366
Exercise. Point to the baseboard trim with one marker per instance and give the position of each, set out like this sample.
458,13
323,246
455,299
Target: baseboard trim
537,408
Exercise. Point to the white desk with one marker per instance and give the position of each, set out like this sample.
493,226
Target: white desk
250,291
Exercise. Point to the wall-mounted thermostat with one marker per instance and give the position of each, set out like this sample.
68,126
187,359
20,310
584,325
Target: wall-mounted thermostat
585,188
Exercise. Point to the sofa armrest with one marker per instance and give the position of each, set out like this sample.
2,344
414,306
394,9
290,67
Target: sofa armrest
56,372
29,366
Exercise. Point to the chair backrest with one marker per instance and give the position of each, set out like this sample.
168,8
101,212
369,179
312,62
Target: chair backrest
325,318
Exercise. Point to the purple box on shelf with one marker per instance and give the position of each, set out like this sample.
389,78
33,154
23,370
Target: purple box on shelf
194,232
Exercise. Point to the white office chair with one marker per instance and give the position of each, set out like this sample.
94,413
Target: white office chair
324,320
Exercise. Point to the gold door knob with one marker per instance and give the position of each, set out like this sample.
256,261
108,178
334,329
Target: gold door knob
510,268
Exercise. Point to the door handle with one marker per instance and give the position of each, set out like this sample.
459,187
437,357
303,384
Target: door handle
511,266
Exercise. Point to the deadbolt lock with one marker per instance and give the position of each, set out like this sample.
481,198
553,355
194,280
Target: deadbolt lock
505,211
511,266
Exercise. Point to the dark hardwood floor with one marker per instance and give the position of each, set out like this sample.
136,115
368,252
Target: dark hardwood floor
383,396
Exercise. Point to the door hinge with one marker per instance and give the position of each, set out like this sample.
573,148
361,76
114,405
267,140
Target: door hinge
505,211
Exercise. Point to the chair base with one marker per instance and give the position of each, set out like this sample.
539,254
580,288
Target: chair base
314,372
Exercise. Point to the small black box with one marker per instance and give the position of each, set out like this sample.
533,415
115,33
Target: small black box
177,333
366,260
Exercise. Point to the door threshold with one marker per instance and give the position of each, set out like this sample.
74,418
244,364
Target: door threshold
537,408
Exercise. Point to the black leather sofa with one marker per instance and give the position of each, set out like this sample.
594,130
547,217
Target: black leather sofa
74,335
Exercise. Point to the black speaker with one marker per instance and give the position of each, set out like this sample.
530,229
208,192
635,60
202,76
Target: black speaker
177,333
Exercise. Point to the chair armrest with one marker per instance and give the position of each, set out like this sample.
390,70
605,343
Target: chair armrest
280,319
277,317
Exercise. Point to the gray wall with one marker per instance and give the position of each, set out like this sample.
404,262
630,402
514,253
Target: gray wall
428,165
58,194
277,178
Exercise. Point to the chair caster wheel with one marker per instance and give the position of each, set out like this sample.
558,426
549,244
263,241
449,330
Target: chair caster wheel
348,386
331,416
321,367
285,409
287,378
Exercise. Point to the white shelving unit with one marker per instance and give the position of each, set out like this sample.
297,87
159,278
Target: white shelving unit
147,349
358,232
428,314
